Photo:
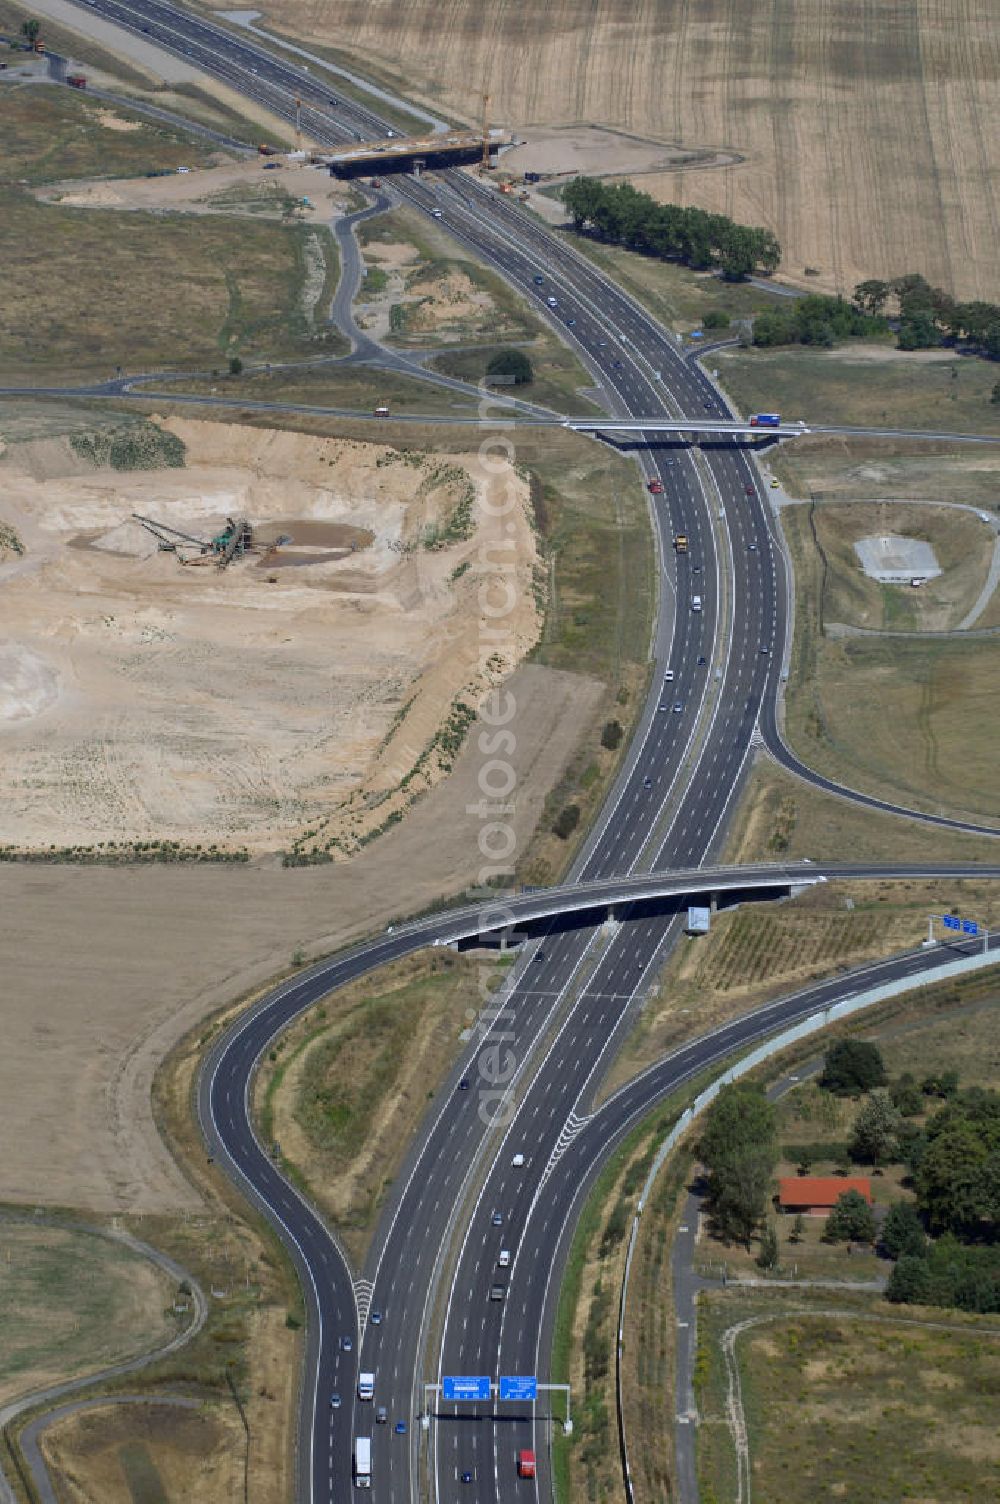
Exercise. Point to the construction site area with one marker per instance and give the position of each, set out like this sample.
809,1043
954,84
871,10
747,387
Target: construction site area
266,637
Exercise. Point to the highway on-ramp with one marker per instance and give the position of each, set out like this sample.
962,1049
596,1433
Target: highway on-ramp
719,645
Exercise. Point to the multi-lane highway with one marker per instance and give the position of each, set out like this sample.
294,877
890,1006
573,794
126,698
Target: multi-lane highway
718,650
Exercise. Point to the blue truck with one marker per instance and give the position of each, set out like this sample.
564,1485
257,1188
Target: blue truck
765,420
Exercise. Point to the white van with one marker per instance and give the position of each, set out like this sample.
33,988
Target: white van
696,603
504,1260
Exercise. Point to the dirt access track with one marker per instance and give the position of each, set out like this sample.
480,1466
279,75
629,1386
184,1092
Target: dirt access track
305,686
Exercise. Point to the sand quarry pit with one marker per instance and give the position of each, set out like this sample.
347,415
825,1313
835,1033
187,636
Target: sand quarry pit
302,689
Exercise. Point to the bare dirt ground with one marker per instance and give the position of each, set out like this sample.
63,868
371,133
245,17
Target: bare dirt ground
230,187
305,687
600,151
868,137
104,969
442,304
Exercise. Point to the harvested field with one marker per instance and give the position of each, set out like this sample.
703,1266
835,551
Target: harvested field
144,954
309,697
868,138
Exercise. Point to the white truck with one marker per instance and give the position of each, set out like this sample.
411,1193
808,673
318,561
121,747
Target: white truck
366,1386
363,1462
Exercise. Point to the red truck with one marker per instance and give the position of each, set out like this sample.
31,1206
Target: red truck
76,80
525,1464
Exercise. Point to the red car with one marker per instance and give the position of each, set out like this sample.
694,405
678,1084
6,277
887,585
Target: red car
749,490
656,486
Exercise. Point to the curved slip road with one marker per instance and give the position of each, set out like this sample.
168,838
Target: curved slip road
669,807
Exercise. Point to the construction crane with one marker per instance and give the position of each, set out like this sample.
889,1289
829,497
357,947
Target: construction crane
486,133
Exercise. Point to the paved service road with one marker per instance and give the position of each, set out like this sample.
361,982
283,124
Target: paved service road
719,644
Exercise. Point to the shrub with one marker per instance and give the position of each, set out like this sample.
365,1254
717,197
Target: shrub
511,368
611,736
566,821
851,1067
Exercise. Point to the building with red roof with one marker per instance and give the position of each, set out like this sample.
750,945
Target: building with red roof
817,1195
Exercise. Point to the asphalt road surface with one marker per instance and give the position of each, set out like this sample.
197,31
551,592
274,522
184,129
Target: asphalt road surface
569,1000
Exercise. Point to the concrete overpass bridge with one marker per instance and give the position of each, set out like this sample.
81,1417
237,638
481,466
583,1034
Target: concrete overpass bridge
712,887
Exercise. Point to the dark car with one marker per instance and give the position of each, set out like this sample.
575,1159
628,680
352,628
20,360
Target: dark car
702,660
539,281
346,1344
463,1085
466,1477
376,1318
497,1219
539,955
401,1428
335,1402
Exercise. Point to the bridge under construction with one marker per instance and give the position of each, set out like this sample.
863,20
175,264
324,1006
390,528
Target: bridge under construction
411,153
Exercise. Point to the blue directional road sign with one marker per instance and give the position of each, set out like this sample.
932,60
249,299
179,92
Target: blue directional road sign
476,1388
950,922
518,1389
970,927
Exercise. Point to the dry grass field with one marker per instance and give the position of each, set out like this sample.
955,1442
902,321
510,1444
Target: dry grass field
962,543
760,951
845,1401
909,718
836,469
867,133
870,385
347,1086
51,135
71,1303
121,1454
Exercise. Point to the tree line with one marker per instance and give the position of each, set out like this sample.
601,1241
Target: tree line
620,214
928,316
816,320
